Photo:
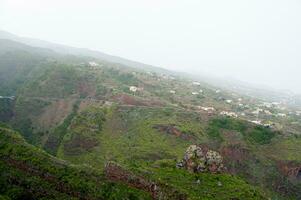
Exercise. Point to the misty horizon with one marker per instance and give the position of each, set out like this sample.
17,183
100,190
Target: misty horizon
255,42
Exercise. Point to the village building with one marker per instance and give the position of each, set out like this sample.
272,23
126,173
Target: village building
196,83
229,101
280,115
229,114
133,88
257,122
276,103
172,92
269,125
208,109
194,93
267,112
267,104
93,64
247,106
257,111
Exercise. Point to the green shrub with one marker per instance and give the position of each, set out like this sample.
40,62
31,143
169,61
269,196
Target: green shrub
260,135
256,135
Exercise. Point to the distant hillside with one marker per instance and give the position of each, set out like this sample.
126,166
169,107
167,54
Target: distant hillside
7,45
227,84
67,50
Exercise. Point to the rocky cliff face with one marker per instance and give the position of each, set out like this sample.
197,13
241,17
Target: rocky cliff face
158,191
198,159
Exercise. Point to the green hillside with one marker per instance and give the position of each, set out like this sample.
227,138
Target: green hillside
29,173
76,114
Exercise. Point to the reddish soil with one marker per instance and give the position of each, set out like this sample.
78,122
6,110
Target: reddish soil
55,113
33,171
172,130
232,137
235,152
158,191
89,102
290,169
86,89
79,144
131,100
235,157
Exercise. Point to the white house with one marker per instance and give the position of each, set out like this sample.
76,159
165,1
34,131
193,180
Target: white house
267,104
172,92
269,125
196,83
229,114
194,93
229,101
257,122
217,91
206,108
133,88
267,112
276,103
257,111
93,64
281,115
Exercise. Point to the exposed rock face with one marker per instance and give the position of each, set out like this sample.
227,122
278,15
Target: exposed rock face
158,191
197,159
290,169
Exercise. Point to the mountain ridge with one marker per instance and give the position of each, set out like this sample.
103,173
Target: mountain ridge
64,49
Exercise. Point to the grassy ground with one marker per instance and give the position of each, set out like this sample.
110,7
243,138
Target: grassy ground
29,173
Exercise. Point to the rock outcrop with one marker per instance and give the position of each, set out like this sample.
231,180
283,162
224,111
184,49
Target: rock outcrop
159,191
290,169
198,159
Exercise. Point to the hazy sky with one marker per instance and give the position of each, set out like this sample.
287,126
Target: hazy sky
257,41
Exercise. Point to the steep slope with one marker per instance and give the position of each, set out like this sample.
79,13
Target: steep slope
17,61
150,137
29,173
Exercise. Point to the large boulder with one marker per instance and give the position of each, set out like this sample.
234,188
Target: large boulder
198,159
